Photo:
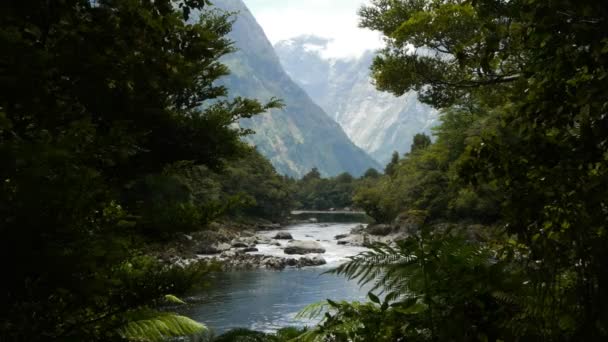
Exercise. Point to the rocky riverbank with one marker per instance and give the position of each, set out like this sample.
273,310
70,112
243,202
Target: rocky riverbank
272,246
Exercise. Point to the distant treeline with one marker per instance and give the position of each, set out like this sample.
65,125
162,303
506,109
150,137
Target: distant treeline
314,192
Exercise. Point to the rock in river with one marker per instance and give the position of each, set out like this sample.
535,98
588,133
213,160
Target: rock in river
314,261
283,236
244,242
213,249
304,247
239,244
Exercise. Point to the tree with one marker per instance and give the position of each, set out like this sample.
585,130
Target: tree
254,177
421,141
345,177
371,173
313,174
444,49
391,166
97,96
536,69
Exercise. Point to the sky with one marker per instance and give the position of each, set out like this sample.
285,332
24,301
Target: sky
334,19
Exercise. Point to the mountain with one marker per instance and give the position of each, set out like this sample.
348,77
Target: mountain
301,135
378,122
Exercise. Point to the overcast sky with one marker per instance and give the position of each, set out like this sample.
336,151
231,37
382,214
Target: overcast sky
335,19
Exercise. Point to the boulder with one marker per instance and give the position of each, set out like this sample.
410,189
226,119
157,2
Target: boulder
291,262
249,250
358,229
311,261
228,254
239,244
213,249
341,236
379,229
243,242
342,242
274,263
304,247
283,236
207,250
269,226
261,240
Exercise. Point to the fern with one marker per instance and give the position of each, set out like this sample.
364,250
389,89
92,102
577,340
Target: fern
313,310
152,326
434,286
173,299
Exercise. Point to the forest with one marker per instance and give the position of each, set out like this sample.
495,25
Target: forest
115,137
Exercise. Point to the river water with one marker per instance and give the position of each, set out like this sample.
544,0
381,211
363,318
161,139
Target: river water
267,300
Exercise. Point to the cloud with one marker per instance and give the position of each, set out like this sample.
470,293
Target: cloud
333,19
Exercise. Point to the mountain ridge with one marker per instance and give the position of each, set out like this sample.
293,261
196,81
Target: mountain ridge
301,135
378,122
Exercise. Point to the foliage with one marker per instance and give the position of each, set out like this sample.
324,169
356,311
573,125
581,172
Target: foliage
158,327
254,176
436,286
425,179
248,186
98,99
317,193
522,142
392,164
370,195
421,141
245,335
371,174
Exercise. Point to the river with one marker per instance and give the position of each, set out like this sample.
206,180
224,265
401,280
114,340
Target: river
267,300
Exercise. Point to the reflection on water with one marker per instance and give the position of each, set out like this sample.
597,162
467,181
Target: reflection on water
267,300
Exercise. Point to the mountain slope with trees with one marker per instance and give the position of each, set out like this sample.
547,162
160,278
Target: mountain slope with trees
299,136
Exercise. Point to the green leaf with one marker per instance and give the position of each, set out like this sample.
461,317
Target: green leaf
412,310
173,299
160,326
373,298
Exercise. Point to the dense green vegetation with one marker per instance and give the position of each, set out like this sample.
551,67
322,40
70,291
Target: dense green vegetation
427,179
314,192
113,134
522,149
246,187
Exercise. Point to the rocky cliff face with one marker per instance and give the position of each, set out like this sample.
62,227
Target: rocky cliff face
378,122
300,136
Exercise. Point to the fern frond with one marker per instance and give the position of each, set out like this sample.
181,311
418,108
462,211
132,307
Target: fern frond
154,326
173,299
313,335
384,266
313,310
